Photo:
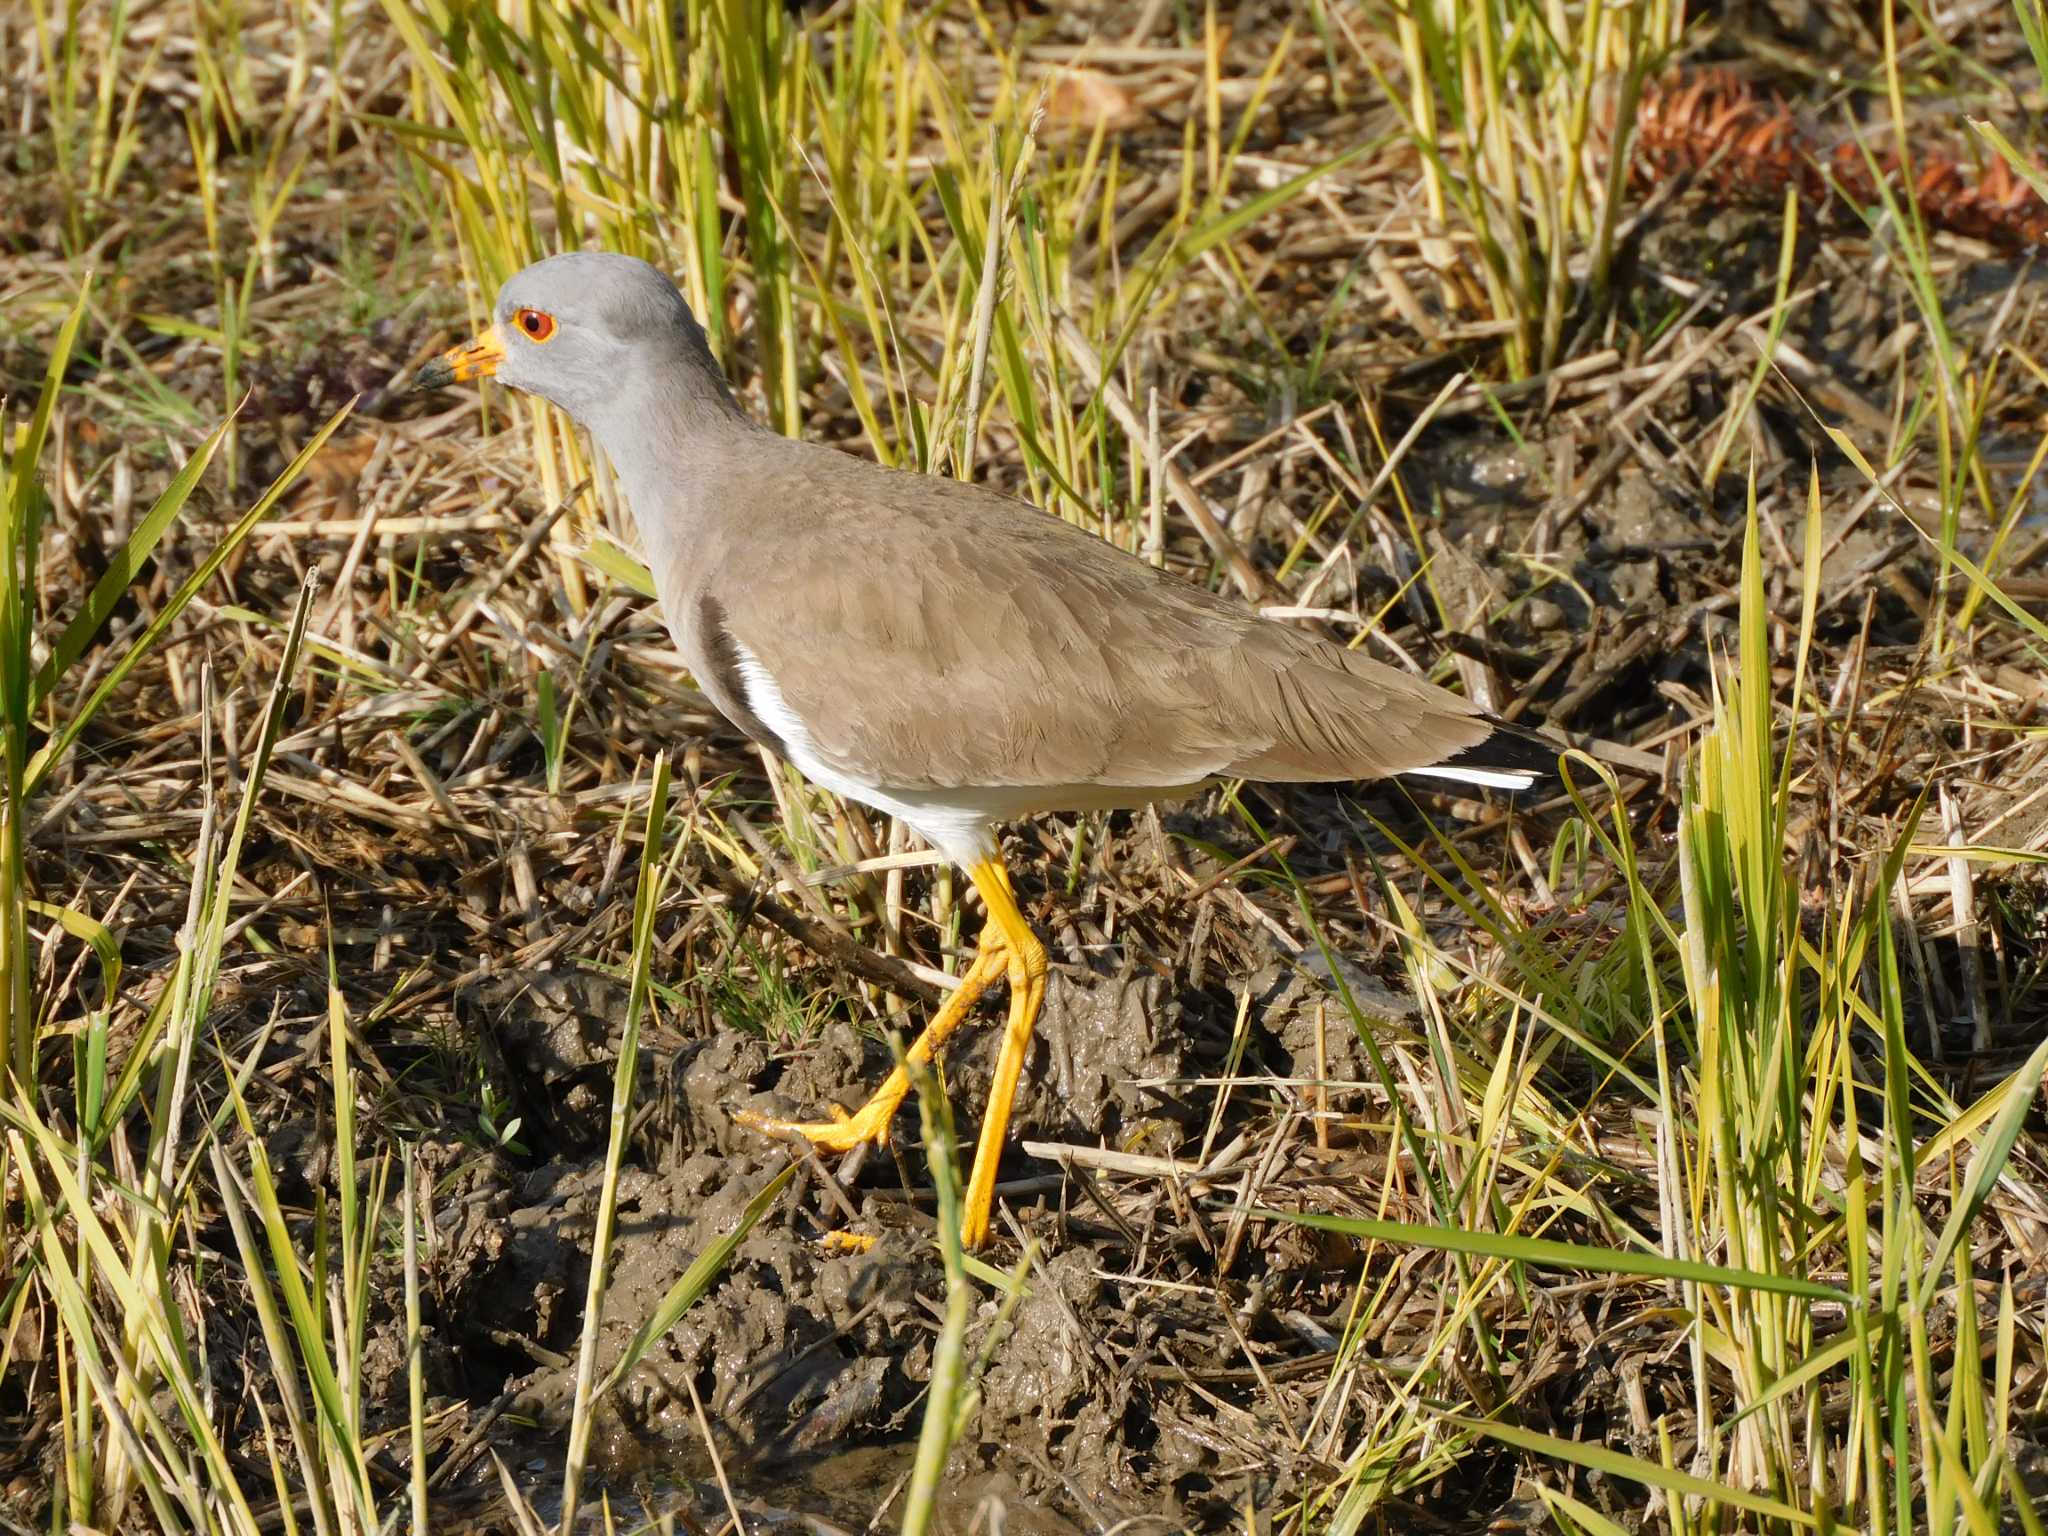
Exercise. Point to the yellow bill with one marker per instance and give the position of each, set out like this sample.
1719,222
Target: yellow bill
472,360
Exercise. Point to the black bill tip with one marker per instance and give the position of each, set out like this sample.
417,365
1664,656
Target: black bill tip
439,373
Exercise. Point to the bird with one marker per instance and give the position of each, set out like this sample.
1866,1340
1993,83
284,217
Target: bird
939,651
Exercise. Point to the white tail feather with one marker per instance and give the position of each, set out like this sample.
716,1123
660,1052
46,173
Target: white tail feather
1487,778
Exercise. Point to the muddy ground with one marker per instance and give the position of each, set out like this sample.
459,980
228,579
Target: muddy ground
1108,1401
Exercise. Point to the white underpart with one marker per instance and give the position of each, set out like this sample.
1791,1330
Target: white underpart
959,823
1488,778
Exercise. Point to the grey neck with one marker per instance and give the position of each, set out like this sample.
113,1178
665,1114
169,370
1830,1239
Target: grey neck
668,432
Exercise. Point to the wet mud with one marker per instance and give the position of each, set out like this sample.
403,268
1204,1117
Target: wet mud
810,1361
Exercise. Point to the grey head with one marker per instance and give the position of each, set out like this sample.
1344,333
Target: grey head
607,338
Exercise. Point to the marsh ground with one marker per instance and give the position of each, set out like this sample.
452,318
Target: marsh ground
1348,1001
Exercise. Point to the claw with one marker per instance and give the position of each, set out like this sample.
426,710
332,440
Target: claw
999,955
842,1133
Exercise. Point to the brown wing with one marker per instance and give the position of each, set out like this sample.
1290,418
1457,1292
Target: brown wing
931,634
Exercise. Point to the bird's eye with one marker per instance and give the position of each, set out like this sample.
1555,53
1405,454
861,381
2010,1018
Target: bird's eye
537,324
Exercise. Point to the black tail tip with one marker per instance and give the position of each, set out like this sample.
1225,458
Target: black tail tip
1509,758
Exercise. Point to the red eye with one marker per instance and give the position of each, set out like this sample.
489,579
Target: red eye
537,325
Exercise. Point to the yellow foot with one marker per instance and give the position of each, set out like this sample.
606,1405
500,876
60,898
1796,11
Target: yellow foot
974,1224
842,1133
839,1240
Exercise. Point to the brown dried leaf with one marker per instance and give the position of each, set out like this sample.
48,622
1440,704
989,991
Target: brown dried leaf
1081,100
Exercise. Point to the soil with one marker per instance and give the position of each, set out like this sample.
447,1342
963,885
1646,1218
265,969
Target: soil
1114,1397
804,1349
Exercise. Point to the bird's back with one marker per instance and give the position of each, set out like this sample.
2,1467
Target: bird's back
974,640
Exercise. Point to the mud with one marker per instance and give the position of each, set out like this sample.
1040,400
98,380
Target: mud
810,1362
803,1351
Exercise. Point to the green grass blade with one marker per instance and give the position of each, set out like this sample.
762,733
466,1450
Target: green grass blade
28,447
83,925
949,1390
603,555
1547,1253
53,750
122,570
646,904
1981,581
2022,165
1808,1371
1599,1458
277,1340
690,1286
1987,1164
1579,1513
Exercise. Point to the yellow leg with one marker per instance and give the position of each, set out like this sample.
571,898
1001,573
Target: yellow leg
1025,962
871,1121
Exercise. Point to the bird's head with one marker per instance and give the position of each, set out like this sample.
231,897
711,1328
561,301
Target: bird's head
586,330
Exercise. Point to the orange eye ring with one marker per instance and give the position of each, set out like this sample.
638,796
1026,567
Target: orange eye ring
535,324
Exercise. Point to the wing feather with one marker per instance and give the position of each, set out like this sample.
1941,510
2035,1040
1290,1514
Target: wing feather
968,639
